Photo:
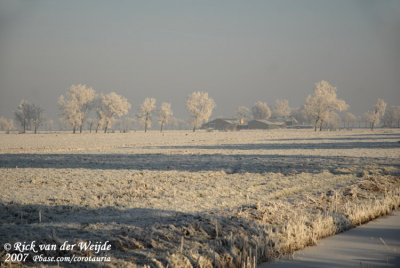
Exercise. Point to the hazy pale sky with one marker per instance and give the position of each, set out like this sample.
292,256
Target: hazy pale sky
238,51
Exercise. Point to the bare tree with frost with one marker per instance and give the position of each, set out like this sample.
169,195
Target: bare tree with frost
147,108
23,115
322,103
69,110
281,109
373,117
76,105
28,115
165,114
6,124
369,118
243,114
261,111
112,105
200,107
98,121
37,117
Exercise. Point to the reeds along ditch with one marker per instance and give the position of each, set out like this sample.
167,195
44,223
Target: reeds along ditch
239,237
257,233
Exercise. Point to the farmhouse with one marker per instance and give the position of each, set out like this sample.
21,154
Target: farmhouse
264,124
221,124
291,121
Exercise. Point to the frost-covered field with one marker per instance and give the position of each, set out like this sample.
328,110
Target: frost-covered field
197,199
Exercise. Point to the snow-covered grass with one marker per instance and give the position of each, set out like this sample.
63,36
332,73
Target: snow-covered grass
202,199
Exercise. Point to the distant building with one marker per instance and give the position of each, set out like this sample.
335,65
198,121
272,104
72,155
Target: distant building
264,124
221,124
233,124
291,121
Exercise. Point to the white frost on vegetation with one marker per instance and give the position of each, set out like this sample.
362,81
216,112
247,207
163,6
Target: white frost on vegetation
146,110
323,102
200,107
76,104
179,198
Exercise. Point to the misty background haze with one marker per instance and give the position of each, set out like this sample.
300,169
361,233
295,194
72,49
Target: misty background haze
240,52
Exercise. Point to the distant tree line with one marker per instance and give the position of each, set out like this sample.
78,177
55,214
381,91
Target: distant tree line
320,110
81,107
80,101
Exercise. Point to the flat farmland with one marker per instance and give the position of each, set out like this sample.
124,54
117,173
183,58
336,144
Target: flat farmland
202,199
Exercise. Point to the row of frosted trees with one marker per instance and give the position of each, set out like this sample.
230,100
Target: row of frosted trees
80,101
81,106
320,109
